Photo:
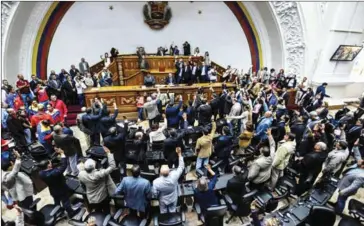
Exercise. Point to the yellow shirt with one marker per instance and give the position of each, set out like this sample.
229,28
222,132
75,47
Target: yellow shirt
245,139
204,143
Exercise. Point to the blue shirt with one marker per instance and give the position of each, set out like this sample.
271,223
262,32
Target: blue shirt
263,127
207,198
4,117
136,191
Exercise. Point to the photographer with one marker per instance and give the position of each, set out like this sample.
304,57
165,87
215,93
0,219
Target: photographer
18,184
80,87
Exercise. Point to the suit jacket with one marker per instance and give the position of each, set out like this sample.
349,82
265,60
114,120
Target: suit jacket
170,145
106,122
55,179
83,68
298,129
170,80
321,90
204,114
172,114
215,105
353,134
69,144
236,187
33,84
73,72
97,182
116,143
90,121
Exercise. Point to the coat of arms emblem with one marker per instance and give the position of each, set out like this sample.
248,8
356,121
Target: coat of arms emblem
157,14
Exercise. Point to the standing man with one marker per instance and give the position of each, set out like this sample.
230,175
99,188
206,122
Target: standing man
136,190
19,185
71,148
90,122
83,65
165,187
204,147
56,182
286,148
74,71
59,105
24,89
98,183
82,127
152,109
321,90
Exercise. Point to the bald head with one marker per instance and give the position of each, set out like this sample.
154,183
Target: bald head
165,170
268,114
57,129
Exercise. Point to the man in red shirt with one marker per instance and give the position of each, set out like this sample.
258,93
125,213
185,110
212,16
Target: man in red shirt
59,105
24,89
41,115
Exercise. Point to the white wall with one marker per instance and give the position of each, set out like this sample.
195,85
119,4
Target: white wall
89,29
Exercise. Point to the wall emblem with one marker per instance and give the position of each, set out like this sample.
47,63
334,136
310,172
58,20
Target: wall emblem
157,14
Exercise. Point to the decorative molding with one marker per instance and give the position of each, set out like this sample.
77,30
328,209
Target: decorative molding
7,12
29,36
288,17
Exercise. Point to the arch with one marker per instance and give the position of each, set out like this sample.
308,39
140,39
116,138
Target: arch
57,10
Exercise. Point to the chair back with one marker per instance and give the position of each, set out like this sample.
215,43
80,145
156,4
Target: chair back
33,217
214,216
158,145
356,209
321,215
99,217
244,206
170,219
148,175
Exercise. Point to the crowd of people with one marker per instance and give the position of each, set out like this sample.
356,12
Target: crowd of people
254,115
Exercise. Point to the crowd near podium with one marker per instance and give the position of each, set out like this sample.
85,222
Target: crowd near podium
258,148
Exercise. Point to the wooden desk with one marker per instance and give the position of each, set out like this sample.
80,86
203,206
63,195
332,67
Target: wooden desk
126,96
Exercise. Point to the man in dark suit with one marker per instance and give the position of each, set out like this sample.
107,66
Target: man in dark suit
170,145
191,113
354,133
186,49
71,148
170,80
172,113
179,70
162,51
34,82
235,187
16,128
203,73
194,72
298,128
90,122
115,141
214,103
204,113
107,121
186,73
285,96
321,90
55,180
73,71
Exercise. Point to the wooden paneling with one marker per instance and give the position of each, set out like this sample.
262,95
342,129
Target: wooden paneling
97,67
125,96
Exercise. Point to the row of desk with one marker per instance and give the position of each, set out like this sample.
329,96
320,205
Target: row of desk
298,212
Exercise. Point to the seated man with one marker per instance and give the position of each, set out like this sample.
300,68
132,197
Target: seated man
149,80
165,187
98,183
204,193
136,191
170,80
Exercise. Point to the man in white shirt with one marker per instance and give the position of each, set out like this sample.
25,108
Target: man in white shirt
80,87
157,132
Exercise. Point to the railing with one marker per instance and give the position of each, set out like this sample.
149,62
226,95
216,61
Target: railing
130,79
97,67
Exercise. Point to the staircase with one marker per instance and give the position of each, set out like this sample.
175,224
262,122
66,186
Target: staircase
73,111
